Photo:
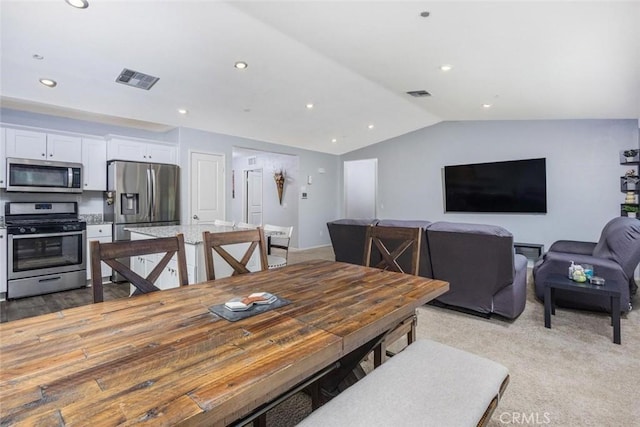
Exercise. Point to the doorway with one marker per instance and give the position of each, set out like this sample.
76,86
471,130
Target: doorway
207,199
360,188
253,196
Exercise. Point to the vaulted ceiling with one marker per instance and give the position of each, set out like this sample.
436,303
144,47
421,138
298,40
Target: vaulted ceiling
354,61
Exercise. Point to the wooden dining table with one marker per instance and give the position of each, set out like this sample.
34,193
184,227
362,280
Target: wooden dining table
165,359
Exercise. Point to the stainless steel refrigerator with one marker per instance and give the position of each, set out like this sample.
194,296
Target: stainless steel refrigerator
140,195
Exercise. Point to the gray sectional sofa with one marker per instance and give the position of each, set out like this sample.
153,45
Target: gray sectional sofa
478,261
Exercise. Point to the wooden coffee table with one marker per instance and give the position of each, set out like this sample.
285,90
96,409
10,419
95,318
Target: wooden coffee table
557,281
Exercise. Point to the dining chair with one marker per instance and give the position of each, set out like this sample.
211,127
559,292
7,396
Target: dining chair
223,223
277,238
216,242
112,253
390,243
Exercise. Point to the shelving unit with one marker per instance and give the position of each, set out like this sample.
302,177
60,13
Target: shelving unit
630,184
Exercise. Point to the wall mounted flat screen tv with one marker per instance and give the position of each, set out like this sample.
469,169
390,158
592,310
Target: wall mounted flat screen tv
516,186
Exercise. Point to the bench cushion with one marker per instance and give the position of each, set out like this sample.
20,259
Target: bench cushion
428,384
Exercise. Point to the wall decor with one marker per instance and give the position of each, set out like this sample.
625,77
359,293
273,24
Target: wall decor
279,177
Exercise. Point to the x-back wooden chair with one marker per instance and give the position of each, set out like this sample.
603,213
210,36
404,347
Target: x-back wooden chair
111,253
404,238
216,241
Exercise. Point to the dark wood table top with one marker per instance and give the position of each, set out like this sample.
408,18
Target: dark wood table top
164,359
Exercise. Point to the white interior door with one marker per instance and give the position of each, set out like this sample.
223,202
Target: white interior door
360,188
253,197
206,187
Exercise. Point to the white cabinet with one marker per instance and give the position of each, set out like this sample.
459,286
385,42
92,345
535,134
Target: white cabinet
101,233
3,157
3,260
27,144
141,151
94,162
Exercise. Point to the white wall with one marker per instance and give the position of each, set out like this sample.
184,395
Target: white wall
583,172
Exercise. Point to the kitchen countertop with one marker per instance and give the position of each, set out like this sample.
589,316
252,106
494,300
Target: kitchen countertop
192,233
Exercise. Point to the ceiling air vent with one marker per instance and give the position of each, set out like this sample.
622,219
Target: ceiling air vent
418,93
136,79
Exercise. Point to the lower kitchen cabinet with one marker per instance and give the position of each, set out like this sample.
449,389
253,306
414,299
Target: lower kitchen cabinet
143,265
101,233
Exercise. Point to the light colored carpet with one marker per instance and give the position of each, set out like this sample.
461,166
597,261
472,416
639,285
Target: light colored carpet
569,375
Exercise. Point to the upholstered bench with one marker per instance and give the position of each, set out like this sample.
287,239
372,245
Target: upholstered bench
427,384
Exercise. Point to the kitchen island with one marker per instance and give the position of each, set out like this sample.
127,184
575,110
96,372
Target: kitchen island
194,249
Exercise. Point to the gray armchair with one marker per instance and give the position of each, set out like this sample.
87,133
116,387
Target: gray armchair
614,257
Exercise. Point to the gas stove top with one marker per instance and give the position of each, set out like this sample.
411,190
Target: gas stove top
42,217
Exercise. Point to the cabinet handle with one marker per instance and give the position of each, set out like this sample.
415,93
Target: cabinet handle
44,155
50,155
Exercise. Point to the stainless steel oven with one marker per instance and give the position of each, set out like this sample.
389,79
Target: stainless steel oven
46,248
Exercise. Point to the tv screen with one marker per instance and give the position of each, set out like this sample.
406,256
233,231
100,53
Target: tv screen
516,186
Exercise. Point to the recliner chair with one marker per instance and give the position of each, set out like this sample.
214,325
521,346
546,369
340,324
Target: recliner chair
615,258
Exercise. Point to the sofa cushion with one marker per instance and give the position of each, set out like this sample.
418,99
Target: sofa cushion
620,242
347,238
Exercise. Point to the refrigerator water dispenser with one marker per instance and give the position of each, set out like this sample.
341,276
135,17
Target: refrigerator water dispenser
129,203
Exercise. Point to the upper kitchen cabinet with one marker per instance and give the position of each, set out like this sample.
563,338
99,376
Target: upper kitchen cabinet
94,162
27,144
141,151
3,159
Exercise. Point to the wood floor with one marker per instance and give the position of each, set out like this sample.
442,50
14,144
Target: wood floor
51,303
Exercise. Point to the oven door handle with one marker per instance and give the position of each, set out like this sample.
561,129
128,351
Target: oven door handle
37,236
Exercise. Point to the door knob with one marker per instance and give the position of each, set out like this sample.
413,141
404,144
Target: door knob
195,217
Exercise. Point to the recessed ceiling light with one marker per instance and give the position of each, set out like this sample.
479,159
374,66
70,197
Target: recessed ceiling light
370,126
182,111
486,105
241,65
334,140
445,67
38,57
48,82
309,106
79,4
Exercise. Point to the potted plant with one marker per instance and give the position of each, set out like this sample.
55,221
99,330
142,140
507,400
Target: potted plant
630,181
632,211
630,155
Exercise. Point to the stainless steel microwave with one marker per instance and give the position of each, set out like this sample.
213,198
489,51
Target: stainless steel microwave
43,176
